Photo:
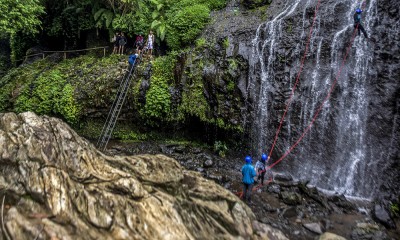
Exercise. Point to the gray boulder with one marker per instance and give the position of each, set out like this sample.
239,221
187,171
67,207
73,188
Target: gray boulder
313,227
380,214
58,186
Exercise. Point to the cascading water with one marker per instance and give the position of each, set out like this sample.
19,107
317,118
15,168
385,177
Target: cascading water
267,41
334,155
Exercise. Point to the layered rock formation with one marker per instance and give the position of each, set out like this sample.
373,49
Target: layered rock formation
57,185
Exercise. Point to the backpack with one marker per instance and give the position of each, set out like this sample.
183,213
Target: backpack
122,41
139,41
132,58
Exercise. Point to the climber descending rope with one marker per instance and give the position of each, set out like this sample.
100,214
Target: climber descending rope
322,104
357,25
294,88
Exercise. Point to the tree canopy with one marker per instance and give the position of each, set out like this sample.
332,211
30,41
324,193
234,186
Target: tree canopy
20,15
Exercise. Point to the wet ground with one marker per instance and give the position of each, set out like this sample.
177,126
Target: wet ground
276,203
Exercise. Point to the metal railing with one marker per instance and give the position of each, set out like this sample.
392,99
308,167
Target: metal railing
64,52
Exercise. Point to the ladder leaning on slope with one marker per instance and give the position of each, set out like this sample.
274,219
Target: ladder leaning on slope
116,107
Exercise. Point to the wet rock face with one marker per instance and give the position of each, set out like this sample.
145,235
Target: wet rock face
383,120
57,185
329,146
381,215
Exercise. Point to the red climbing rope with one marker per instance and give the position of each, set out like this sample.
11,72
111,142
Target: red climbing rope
297,79
318,110
322,104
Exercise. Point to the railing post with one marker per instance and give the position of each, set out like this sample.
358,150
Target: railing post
42,55
104,52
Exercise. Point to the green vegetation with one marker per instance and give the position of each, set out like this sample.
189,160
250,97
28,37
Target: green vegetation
21,15
193,101
200,42
158,99
225,43
49,94
49,88
186,24
220,148
395,209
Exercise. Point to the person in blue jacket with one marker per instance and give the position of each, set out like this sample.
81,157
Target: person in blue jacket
133,58
357,22
248,173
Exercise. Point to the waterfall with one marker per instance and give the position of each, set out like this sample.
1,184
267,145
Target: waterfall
334,154
267,40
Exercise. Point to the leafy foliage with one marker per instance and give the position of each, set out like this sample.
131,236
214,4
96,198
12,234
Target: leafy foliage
194,102
186,25
20,42
211,4
220,148
49,94
21,15
395,209
158,98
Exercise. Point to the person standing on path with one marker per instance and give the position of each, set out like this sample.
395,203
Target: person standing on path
150,43
121,43
115,40
248,174
139,43
357,23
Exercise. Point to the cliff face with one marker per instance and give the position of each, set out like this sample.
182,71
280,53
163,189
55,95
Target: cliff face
353,145
57,185
239,77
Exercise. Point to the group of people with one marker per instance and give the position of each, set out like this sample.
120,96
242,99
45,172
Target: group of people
249,172
120,41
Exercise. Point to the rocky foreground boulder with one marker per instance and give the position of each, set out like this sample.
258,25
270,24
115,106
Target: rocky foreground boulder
56,185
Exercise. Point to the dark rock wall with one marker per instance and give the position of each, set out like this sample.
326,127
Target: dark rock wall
353,145
384,88
354,141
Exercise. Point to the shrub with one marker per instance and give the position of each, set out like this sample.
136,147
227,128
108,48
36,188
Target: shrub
49,94
201,42
158,98
220,148
211,4
186,24
20,43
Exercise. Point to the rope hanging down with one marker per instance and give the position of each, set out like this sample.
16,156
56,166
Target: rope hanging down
323,102
292,93
297,79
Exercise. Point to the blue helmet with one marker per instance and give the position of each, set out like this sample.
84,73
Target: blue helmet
358,10
264,157
248,159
